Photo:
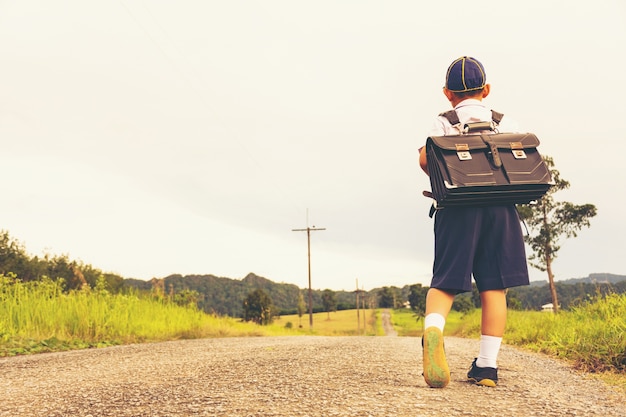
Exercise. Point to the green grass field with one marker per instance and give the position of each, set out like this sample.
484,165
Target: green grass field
338,323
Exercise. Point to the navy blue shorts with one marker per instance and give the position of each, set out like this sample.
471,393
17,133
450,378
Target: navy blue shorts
485,242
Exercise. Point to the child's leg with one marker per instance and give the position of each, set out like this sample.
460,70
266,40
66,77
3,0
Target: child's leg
438,302
494,312
492,327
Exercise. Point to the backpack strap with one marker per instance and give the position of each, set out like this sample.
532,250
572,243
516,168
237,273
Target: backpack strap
453,118
496,117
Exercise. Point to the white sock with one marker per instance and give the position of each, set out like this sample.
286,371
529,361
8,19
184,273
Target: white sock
488,353
434,320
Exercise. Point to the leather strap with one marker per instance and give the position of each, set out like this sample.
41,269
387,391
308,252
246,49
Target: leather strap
494,153
496,117
453,118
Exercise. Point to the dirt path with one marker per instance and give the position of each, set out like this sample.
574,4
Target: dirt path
290,376
387,325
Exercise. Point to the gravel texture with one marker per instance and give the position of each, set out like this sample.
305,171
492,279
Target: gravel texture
291,376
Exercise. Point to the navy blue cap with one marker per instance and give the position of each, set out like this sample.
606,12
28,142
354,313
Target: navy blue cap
465,74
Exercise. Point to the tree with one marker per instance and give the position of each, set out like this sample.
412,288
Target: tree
257,307
387,297
417,299
13,258
550,220
463,303
329,301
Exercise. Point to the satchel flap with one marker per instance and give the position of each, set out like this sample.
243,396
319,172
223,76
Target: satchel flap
516,141
456,142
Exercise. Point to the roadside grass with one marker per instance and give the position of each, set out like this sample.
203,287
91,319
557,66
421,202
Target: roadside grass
39,317
406,323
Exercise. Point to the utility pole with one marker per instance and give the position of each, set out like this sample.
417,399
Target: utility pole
308,231
358,316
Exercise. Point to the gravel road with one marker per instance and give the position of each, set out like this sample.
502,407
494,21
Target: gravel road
291,376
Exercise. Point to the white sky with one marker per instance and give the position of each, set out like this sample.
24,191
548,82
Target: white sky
155,137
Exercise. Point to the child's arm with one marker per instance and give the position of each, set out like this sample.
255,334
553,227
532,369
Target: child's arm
423,163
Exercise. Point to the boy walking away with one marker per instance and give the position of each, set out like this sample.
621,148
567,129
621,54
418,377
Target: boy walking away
483,242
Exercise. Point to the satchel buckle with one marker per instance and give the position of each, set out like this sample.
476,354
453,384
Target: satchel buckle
518,150
462,151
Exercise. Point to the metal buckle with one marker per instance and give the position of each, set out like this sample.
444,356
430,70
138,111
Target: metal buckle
462,151
518,150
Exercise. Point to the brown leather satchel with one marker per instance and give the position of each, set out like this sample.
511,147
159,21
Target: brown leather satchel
480,167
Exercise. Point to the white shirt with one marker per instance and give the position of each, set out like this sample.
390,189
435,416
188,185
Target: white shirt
470,111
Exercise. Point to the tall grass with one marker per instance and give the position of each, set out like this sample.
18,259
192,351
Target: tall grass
592,335
39,316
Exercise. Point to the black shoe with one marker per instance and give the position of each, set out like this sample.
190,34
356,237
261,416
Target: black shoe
487,377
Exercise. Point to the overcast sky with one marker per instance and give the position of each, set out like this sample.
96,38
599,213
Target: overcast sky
147,138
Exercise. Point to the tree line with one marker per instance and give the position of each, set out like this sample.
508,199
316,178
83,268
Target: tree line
533,297
75,275
226,296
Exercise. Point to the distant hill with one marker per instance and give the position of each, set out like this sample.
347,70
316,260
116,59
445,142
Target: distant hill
224,296
597,278
570,292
